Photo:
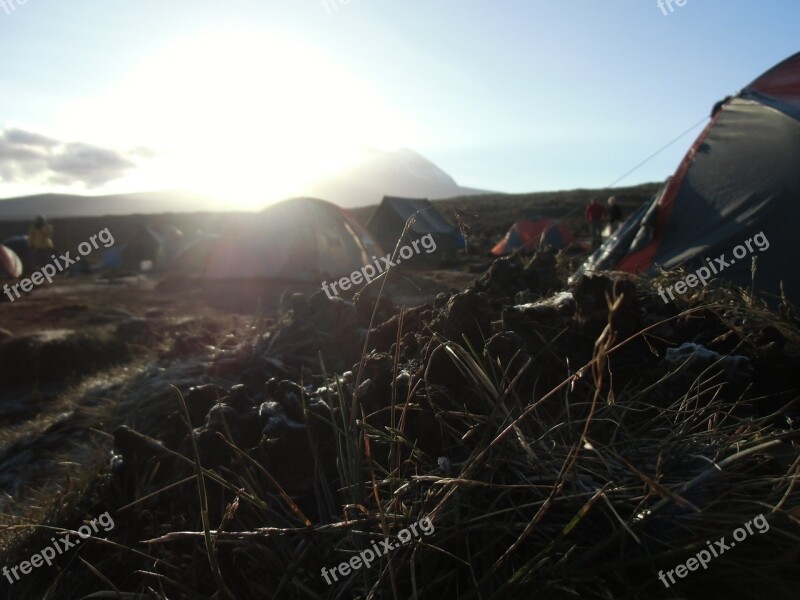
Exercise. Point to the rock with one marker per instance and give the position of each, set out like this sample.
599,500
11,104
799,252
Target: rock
200,399
240,399
223,417
697,359
290,396
505,278
508,351
541,274
286,449
467,313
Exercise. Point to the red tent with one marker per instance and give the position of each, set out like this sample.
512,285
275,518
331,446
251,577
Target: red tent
533,233
740,181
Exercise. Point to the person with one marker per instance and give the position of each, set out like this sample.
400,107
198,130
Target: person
40,242
614,214
595,213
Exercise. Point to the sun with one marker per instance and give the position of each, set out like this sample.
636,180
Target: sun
248,116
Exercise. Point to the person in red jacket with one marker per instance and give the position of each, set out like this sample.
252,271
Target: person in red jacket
595,213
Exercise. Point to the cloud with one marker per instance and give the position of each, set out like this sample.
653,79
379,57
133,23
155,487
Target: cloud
92,165
27,157
28,138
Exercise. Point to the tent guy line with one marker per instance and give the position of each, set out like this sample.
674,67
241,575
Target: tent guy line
739,177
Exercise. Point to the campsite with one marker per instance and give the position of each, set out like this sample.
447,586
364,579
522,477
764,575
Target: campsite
247,351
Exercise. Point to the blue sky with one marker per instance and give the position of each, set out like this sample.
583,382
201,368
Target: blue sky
252,98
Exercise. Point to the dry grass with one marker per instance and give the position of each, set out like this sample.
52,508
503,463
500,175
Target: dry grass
585,489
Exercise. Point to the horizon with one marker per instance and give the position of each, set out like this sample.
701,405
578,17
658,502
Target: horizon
267,204
260,102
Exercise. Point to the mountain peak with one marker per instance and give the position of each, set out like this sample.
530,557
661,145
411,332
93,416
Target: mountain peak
401,172
379,173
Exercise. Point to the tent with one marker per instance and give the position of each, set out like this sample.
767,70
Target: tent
19,244
146,245
741,178
301,239
192,252
389,219
530,234
10,264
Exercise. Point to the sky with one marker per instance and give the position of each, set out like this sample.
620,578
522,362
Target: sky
249,100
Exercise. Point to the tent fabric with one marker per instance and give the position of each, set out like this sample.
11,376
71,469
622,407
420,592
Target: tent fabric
158,246
112,258
10,264
738,179
19,244
146,244
427,220
389,220
533,233
301,239
779,87
192,253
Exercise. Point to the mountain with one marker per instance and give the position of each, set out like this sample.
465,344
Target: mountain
73,205
377,174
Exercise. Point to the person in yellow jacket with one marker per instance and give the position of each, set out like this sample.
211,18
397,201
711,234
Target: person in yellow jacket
40,242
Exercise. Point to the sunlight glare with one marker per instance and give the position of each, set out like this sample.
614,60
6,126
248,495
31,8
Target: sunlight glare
249,117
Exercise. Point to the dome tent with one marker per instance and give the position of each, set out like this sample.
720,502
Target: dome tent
193,252
147,244
10,264
740,179
300,239
388,222
19,244
530,234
